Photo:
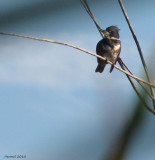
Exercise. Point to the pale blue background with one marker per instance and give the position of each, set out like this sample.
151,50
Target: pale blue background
52,103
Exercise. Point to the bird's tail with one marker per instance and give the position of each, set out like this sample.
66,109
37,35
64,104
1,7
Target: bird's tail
112,67
100,68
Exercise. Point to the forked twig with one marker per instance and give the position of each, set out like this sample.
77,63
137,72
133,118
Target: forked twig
137,92
120,61
139,49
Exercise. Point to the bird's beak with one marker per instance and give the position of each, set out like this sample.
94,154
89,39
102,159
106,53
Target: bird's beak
105,33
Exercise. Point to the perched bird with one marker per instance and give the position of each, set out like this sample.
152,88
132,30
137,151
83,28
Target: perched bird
109,47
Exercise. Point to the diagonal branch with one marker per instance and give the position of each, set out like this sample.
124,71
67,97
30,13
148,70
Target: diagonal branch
86,6
137,92
124,65
81,49
139,49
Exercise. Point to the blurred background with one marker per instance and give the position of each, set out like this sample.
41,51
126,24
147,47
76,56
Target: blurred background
52,103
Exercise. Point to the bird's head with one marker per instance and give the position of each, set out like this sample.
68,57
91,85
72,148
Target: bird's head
111,32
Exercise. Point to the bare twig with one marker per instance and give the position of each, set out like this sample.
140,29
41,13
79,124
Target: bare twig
124,65
137,92
78,48
120,60
86,6
139,49
146,91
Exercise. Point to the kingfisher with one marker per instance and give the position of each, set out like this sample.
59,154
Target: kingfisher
109,47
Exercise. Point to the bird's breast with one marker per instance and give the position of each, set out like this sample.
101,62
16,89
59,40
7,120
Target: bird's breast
113,54
117,47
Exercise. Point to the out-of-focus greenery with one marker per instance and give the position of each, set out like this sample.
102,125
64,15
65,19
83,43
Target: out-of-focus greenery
127,133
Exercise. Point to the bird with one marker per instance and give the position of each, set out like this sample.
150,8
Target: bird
109,47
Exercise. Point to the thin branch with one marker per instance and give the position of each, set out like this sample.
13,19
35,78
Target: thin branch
86,6
146,91
139,49
78,48
125,65
137,92
120,60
